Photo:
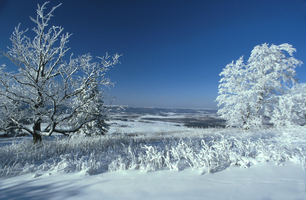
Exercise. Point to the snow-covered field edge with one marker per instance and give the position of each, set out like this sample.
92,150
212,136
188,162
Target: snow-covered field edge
206,150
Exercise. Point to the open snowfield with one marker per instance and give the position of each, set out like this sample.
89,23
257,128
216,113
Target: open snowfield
144,158
262,181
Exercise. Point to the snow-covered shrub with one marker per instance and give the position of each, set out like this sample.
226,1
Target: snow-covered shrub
291,109
210,152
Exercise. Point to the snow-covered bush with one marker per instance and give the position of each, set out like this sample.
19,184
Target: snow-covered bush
65,95
213,151
291,108
249,92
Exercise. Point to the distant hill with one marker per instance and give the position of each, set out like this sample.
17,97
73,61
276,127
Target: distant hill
160,111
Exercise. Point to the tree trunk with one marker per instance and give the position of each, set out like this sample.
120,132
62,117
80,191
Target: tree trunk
36,136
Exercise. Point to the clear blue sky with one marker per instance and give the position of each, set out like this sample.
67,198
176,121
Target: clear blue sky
173,50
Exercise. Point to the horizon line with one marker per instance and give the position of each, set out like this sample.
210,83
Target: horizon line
159,107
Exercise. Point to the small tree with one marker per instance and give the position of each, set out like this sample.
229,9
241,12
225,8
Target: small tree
64,96
291,108
233,94
249,92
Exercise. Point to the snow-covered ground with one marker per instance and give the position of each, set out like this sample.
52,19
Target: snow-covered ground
265,181
158,160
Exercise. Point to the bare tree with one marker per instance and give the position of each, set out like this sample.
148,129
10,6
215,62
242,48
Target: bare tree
48,92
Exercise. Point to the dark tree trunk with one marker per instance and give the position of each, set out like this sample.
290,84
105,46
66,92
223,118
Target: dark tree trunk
36,136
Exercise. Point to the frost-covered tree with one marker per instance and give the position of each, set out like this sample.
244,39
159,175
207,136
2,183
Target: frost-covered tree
232,89
291,108
94,108
49,94
249,92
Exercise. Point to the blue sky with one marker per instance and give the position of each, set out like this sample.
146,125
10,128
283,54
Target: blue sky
173,50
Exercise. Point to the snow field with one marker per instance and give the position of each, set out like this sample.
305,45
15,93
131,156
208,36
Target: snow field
261,181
